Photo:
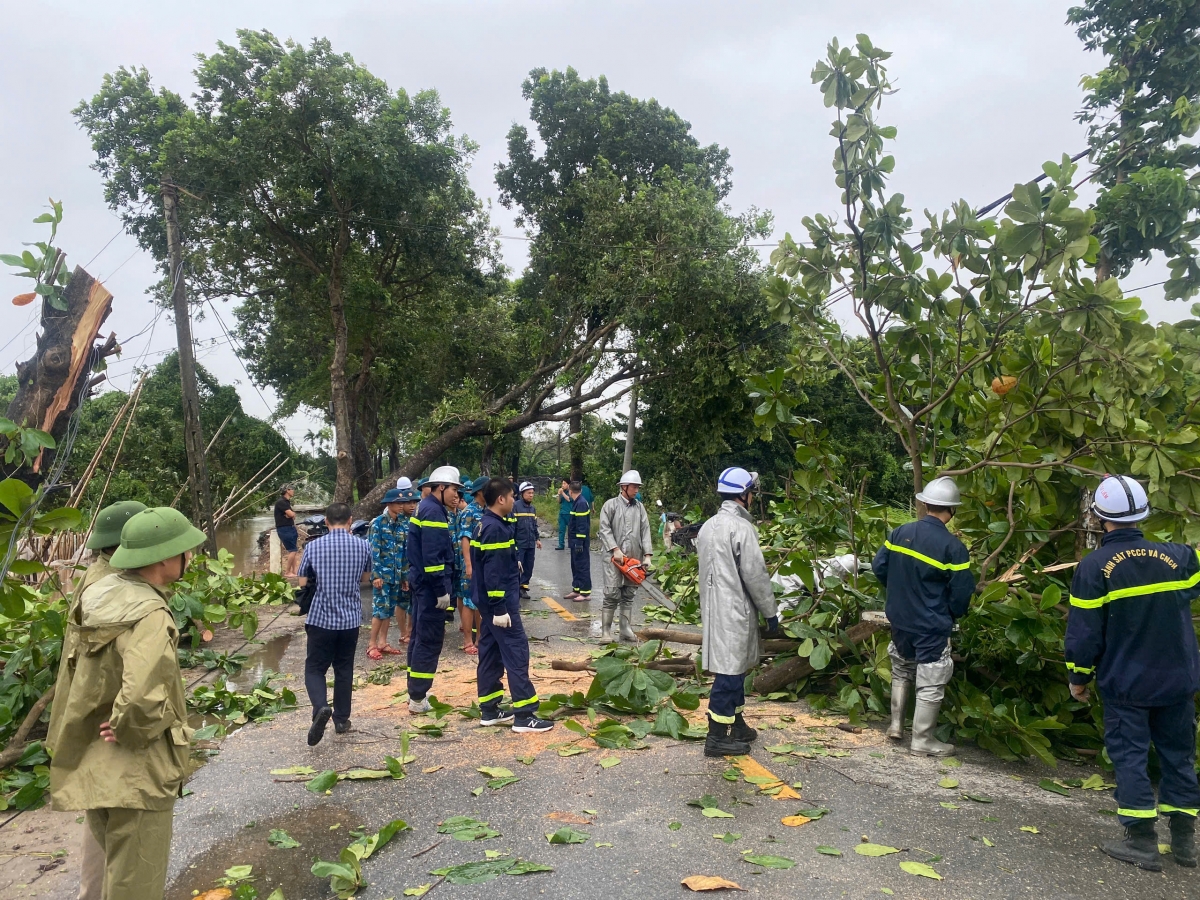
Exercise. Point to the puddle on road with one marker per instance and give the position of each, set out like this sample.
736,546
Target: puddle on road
288,869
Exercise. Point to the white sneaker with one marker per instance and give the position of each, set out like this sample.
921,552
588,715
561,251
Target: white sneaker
416,707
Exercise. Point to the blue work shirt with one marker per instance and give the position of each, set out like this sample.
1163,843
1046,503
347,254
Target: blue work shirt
1131,620
430,550
527,529
926,572
495,577
580,528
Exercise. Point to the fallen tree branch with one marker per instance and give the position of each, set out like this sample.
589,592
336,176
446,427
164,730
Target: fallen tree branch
794,668
770,647
16,746
679,665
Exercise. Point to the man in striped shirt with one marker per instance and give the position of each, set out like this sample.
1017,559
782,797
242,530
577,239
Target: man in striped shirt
338,561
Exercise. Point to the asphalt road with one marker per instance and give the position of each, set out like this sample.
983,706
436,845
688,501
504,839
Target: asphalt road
872,790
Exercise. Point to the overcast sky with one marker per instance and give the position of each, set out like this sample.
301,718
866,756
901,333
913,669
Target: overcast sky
988,91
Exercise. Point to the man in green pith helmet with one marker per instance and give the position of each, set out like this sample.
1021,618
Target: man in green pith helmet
119,723
103,542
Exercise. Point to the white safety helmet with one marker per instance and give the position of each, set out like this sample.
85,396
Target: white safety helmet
736,481
1121,499
525,486
941,492
447,475
631,477
404,483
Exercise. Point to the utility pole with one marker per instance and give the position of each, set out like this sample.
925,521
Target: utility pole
193,436
631,426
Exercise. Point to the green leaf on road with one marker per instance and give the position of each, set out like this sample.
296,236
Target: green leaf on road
713,813
772,862
978,798
875,850
729,837
281,840
813,813
568,835
496,783
945,805
674,826
1030,829
951,762
609,761
708,801
495,771
1096,783
323,782
466,828
916,868
828,851
295,770
949,783
1055,787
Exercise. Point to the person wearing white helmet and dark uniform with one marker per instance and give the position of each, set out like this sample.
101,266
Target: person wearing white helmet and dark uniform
1131,629
431,576
925,571
624,532
528,542
735,587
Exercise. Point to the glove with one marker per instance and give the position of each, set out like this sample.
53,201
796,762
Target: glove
618,556
773,625
646,563
443,602
502,621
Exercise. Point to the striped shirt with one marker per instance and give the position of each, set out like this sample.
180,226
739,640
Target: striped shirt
338,561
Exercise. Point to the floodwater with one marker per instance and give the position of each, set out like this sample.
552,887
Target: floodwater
316,830
241,539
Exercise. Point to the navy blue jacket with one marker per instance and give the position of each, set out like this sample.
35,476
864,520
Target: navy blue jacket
527,529
495,578
581,521
1131,620
926,571
430,550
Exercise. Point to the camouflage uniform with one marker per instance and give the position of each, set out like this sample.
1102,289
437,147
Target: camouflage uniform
466,522
389,561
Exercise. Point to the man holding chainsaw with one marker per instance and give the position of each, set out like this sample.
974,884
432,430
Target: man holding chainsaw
625,534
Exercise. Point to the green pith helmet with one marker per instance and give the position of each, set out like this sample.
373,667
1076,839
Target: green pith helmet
107,532
154,535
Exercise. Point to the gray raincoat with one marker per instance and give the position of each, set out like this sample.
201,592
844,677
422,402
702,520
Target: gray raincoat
624,525
734,588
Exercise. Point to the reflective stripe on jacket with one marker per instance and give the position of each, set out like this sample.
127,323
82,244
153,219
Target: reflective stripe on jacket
495,578
926,572
735,587
1131,620
527,527
430,550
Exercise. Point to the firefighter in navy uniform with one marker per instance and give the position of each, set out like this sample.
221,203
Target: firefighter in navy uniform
1131,629
431,576
503,644
926,572
528,542
579,538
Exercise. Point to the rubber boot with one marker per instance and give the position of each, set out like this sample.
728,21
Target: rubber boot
719,743
626,623
606,620
901,691
1140,846
740,731
1183,839
925,719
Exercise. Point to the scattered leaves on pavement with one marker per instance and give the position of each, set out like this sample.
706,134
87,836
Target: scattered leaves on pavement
951,762
1030,829
921,869
496,783
987,842
429,770
488,869
674,826
709,883
419,891
945,805
949,783
1055,787
345,875
1096,783
875,850
795,821
729,837
323,782
569,817
978,798
609,761
295,770
815,813
495,771
466,828
828,851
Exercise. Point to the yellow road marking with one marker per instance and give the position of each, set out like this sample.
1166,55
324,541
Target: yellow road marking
566,614
750,767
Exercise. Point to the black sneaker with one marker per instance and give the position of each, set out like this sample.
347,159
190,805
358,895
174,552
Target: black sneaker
342,727
317,730
531,725
496,716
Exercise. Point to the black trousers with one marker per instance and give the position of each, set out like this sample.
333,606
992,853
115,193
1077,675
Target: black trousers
581,567
330,647
526,557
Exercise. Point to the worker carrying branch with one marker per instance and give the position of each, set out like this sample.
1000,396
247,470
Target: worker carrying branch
926,573
1131,629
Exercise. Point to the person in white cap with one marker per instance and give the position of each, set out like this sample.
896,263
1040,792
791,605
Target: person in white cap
925,571
528,542
624,532
1131,629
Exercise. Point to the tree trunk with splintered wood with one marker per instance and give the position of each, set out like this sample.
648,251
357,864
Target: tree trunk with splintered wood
54,381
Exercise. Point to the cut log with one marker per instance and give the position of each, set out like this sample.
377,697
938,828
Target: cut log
793,669
54,381
771,646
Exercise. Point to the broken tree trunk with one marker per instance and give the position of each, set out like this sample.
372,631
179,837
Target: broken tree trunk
794,668
771,646
55,380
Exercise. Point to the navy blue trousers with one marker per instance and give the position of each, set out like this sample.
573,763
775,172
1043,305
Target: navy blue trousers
727,698
581,567
501,651
425,643
1128,733
525,556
